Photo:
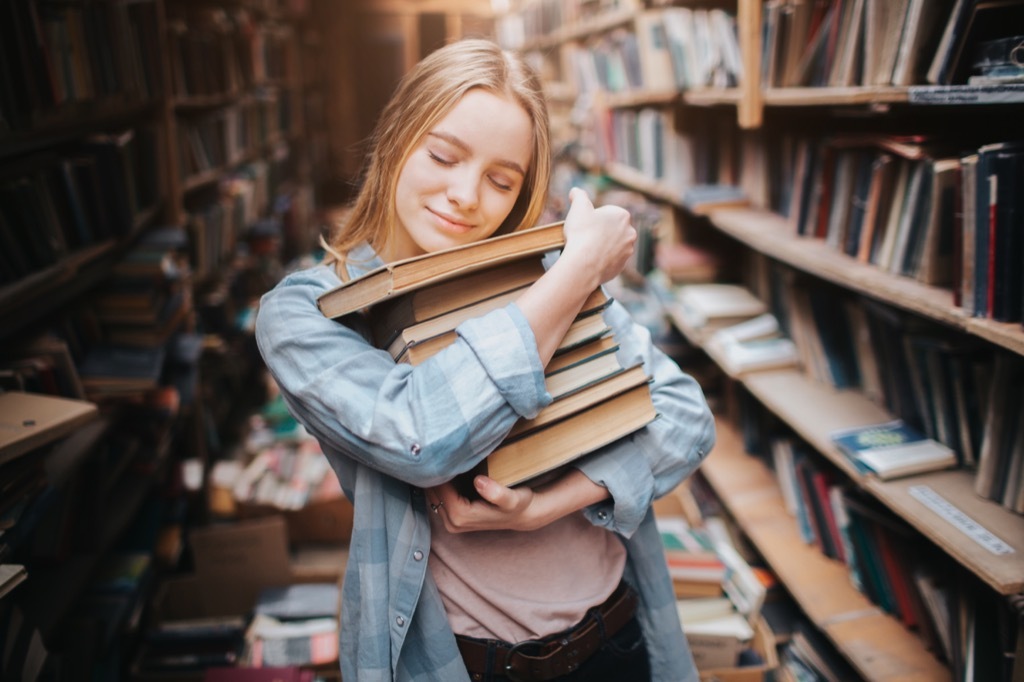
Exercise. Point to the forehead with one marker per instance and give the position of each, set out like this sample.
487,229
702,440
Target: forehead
490,125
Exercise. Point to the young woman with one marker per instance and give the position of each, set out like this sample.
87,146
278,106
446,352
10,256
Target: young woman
563,580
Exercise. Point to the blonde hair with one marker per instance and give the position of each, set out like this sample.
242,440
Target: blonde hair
423,97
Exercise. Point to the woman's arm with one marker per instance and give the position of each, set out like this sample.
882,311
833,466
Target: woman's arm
420,424
617,483
598,244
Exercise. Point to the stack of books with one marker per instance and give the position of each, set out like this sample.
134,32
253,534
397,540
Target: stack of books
412,307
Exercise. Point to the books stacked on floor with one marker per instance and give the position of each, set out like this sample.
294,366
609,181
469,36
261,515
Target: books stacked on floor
413,307
147,296
295,625
696,569
718,594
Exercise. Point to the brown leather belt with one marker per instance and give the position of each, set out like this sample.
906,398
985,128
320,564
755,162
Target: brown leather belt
552,656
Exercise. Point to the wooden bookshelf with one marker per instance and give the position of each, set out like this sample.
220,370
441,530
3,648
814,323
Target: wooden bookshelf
634,178
835,96
801,83
88,141
815,410
772,235
877,645
582,29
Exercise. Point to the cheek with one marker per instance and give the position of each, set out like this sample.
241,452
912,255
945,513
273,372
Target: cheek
500,204
419,176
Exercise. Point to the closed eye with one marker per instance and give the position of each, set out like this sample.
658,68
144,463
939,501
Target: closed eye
441,160
503,186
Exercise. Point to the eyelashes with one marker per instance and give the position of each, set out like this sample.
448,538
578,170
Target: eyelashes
444,162
448,163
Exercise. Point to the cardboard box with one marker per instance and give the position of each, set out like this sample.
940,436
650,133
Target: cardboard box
321,521
764,644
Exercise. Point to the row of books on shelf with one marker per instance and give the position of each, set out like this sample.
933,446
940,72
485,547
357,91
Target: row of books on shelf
528,22
221,214
219,51
78,197
53,55
648,141
215,140
837,43
950,397
888,562
665,49
912,207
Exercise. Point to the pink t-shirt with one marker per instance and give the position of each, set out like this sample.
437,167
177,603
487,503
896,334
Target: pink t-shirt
512,585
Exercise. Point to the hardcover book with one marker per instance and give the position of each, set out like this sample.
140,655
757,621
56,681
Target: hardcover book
410,274
892,449
546,449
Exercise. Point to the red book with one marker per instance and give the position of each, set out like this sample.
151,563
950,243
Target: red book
993,208
272,674
894,573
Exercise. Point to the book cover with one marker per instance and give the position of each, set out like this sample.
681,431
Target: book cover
30,420
299,601
1006,234
892,449
394,314
577,401
568,439
409,274
582,330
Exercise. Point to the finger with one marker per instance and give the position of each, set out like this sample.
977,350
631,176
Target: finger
578,201
493,492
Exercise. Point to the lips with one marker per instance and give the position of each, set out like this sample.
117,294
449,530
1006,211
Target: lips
450,223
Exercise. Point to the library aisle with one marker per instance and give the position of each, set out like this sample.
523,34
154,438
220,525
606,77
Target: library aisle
827,194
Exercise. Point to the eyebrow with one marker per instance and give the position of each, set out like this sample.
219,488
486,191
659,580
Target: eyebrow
452,140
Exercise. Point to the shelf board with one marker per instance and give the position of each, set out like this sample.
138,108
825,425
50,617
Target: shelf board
605,21
877,645
197,102
844,96
640,98
772,235
705,97
60,274
32,297
959,95
815,410
631,177
75,120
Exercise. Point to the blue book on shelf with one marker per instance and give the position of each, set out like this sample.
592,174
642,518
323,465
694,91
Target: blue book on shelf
892,449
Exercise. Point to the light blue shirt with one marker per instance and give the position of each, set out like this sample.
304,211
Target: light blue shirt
390,430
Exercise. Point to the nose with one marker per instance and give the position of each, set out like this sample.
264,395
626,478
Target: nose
464,189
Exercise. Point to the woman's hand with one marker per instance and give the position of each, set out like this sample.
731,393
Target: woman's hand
521,508
598,244
598,241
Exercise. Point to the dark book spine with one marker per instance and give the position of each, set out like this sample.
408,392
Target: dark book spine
1007,247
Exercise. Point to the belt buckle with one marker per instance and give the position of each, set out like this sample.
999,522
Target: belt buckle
513,650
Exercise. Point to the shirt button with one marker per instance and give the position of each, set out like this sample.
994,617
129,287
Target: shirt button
417,555
603,515
400,621
415,450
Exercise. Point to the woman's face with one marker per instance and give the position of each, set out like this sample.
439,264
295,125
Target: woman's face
462,179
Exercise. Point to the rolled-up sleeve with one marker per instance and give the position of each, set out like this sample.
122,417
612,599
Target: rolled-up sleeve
655,459
422,424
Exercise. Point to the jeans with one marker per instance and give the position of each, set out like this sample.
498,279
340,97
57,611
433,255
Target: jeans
622,658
